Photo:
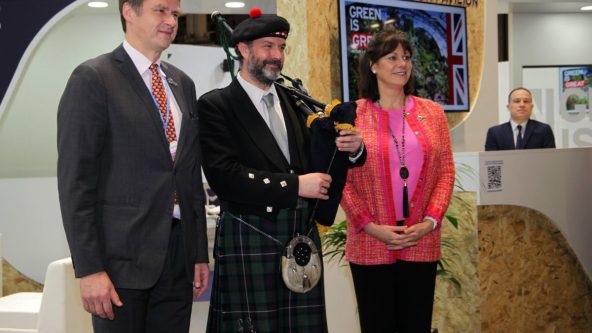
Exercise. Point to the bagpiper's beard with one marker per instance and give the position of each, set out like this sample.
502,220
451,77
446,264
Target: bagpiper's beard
257,68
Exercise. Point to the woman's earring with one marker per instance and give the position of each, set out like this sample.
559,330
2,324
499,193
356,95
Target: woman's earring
373,71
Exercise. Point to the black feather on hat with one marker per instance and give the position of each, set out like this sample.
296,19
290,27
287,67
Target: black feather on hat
259,26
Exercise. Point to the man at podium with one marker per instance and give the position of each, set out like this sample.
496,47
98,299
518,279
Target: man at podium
520,132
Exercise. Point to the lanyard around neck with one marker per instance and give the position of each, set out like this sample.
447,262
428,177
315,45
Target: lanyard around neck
164,118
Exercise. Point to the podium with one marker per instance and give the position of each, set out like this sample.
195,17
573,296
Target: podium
554,182
534,226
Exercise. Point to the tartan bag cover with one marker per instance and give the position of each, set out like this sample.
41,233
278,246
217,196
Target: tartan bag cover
248,293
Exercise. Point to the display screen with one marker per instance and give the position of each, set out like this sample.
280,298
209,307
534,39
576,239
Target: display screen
575,92
439,37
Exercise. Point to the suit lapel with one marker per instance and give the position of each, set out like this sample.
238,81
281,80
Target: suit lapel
295,137
508,135
530,128
255,126
184,109
130,73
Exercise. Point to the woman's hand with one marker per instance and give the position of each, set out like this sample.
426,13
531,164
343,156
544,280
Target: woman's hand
412,235
393,236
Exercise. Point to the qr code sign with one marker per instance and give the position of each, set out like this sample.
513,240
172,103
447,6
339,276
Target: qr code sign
494,177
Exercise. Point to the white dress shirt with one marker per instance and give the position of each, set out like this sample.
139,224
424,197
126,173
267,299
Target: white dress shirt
515,130
143,66
256,95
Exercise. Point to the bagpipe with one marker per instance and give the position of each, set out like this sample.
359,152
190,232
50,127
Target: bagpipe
324,121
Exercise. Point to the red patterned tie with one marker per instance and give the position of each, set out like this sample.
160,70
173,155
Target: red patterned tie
161,98
159,94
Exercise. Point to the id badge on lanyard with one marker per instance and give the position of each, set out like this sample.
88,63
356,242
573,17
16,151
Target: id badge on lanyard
165,119
173,149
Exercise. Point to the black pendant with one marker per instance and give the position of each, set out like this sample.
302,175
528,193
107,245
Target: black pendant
405,201
404,173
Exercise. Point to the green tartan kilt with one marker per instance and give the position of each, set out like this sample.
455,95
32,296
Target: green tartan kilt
248,293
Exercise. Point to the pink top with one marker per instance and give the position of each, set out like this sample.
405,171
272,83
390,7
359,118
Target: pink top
413,157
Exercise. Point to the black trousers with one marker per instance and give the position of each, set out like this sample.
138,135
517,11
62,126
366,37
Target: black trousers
395,298
164,308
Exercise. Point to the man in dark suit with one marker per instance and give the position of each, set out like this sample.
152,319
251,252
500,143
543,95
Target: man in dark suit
255,145
129,179
520,132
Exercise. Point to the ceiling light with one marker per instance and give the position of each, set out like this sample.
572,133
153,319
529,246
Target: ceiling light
586,8
235,4
98,4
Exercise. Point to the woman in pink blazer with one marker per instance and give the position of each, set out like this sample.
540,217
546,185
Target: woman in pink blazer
396,201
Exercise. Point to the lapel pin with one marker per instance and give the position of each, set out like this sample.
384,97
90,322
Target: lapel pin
420,118
171,81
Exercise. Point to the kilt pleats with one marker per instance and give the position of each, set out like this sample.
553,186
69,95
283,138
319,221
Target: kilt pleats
248,292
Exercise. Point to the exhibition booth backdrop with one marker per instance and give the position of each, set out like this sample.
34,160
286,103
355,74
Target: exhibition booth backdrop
28,151
30,220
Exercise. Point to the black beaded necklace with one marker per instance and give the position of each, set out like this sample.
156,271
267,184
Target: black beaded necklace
403,171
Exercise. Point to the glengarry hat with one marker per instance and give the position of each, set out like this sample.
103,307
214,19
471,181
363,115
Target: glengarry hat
259,26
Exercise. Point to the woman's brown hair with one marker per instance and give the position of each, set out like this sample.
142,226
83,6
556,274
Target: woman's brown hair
383,42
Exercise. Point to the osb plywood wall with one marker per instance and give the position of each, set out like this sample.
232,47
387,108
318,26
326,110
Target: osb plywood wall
531,280
13,281
457,310
313,44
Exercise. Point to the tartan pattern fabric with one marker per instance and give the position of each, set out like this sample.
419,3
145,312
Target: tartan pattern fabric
159,94
367,196
249,294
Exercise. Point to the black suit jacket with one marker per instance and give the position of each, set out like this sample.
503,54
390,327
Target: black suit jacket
537,135
242,162
116,178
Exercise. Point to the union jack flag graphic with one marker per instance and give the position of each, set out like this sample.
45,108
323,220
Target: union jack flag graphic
457,61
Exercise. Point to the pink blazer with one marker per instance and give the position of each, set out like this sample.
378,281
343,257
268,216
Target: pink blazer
368,196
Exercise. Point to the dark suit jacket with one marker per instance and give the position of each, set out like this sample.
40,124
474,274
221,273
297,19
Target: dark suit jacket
116,178
242,162
537,135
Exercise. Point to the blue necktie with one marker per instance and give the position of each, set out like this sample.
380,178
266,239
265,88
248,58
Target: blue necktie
519,138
